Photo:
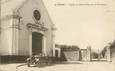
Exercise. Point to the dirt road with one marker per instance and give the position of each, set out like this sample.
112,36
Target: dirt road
82,66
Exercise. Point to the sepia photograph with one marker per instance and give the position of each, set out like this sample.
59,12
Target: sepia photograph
57,35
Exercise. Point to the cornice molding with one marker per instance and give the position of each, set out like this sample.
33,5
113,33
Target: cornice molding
37,26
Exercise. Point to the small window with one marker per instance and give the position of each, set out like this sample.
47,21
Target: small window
36,15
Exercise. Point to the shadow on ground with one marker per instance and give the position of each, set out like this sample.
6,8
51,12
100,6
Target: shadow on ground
56,63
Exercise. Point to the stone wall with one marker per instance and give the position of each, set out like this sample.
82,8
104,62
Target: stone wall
69,54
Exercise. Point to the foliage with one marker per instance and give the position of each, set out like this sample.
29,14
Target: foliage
94,54
67,47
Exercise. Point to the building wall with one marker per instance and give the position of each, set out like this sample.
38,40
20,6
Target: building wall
6,37
26,12
15,41
71,55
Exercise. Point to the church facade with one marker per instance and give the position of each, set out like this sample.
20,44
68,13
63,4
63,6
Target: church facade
26,28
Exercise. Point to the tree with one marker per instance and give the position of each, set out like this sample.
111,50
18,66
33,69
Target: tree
94,54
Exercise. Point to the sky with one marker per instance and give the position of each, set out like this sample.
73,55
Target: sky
83,25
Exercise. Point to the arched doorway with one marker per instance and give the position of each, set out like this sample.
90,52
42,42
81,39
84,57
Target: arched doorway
37,43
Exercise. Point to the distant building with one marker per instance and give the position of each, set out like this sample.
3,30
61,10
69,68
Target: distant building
26,28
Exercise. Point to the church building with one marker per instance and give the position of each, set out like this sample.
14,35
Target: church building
26,28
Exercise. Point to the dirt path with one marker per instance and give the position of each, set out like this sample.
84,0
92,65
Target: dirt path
84,66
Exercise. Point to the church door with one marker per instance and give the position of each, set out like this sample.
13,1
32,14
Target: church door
37,43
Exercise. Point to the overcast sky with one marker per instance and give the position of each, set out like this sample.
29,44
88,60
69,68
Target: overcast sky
83,25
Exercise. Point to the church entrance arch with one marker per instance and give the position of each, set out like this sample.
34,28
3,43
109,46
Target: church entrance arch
37,43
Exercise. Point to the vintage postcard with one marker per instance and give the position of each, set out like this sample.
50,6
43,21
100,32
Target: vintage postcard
57,35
